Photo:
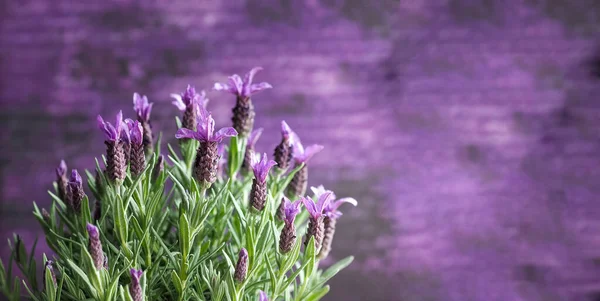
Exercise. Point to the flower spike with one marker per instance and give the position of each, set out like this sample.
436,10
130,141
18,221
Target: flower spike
243,112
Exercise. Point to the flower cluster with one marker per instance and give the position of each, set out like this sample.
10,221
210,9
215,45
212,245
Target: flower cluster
209,221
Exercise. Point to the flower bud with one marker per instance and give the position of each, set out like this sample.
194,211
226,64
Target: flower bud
135,290
76,193
95,246
241,269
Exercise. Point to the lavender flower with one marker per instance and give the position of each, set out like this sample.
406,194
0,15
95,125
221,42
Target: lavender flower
260,167
316,227
331,215
50,269
297,186
205,165
95,246
241,268
143,108
243,112
138,159
288,233
262,296
116,166
76,193
61,180
283,151
46,216
252,139
187,103
159,167
135,289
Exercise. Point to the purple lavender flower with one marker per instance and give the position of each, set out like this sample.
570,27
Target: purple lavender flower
297,186
316,227
262,296
287,237
243,112
331,215
76,193
116,165
159,167
187,103
61,180
260,167
50,269
143,108
243,88
136,289
137,157
241,268
205,165
95,246
252,139
283,151
111,132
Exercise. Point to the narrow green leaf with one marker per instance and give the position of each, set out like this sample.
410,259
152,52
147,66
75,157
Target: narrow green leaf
83,277
176,282
317,294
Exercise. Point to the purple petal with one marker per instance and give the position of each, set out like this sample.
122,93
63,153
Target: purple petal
75,177
92,231
250,75
286,132
243,254
61,170
119,123
136,275
104,128
324,200
202,100
189,96
318,191
310,152
237,84
135,131
253,138
178,102
185,133
291,209
262,296
311,207
255,88
224,132
248,78
224,87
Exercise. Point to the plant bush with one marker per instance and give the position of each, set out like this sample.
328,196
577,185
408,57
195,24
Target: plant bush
206,223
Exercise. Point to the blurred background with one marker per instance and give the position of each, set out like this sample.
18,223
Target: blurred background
468,130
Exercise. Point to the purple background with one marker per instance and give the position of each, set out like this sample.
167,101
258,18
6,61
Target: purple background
467,129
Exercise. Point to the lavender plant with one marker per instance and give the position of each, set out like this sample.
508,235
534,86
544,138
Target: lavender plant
207,222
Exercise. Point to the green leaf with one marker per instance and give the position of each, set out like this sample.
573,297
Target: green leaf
273,278
49,288
292,257
317,294
309,256
336,268
121,223
176,282
184,235
83,277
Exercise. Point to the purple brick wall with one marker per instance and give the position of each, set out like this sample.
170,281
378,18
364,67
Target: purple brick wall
467,129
